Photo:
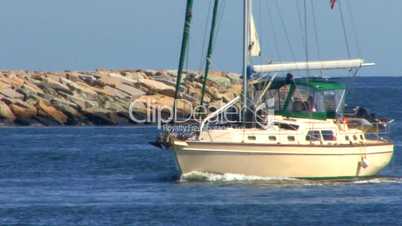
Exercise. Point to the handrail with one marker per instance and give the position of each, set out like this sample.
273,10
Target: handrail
267,88
217,112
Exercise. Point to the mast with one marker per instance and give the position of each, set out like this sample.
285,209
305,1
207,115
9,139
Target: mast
246,16
184,45
210,50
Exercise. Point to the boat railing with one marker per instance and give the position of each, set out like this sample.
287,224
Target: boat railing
192,132
219,111
379,134
193,129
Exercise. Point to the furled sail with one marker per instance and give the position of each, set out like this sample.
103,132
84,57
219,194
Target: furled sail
210,50
183,52
254,47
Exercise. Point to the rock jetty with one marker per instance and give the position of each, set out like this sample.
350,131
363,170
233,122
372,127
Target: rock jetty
102,97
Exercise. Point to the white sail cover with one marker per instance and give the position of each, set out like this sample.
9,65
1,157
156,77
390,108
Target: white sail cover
255,46
312,65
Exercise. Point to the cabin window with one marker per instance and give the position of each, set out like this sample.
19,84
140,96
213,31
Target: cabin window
354,137
347,138
252,138
328,135
302,99
361,137
313,135
291,138
272,138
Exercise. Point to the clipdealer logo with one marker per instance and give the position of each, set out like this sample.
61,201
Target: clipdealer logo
150,111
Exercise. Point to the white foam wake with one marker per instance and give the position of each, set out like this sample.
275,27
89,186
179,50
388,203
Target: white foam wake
380,180
197,176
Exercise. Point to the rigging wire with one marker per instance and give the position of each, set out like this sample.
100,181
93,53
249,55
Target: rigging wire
220,18
218,25
355,72
344,29
264,32
259,19
317,42
285,30
301,24
307,48
275,35
306,36
204,39
354,28
207,27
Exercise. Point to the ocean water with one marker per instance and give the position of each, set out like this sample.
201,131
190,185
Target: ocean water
111,176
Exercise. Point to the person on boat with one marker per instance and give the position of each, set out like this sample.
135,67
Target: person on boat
310,104
289,78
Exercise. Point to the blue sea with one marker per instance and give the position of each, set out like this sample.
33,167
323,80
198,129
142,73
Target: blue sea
112,176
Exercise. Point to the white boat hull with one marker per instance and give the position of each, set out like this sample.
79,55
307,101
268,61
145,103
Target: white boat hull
294,161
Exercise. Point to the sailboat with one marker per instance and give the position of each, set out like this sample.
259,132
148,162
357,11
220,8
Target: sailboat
306,137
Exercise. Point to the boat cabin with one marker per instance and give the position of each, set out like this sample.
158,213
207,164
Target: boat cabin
312,98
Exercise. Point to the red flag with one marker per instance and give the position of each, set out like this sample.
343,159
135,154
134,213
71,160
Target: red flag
332,2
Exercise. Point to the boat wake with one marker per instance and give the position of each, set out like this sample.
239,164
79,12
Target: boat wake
197,176
380,180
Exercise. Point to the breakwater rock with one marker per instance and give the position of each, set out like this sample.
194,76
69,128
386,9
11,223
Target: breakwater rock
102,97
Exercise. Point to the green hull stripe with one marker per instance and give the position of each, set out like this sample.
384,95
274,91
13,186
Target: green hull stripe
337,178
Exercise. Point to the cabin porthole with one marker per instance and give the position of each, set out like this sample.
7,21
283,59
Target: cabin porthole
272,138
252,138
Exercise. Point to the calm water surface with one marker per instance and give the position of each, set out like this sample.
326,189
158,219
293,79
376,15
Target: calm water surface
111,176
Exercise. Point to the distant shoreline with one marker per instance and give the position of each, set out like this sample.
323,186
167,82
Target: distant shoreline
100,98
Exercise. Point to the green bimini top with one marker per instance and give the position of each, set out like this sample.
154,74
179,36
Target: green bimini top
317,84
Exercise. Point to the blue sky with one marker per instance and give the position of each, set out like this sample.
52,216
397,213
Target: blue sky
85,35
